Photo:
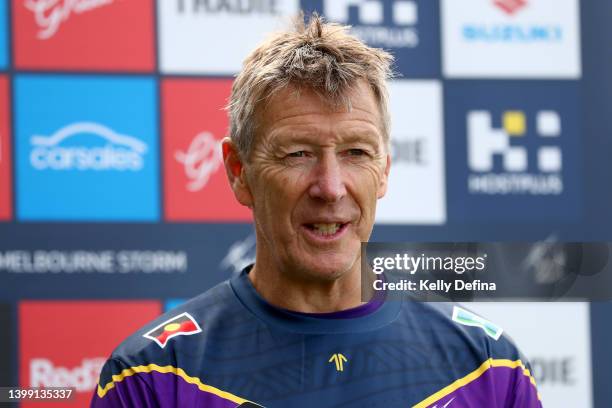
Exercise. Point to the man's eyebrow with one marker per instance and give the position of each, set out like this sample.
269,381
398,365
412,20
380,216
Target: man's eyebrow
306,137
367,136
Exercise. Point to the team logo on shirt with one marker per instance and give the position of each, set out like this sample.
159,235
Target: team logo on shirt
181,325
339,360
467,318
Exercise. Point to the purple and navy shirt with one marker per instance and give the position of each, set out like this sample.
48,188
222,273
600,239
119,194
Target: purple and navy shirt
230,348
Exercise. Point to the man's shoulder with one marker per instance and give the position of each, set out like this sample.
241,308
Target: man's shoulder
456,326
472,356
157,341
144,369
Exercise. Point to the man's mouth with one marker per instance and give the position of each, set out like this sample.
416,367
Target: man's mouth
326,229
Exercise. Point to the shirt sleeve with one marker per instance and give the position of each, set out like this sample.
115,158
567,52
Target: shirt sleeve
525,391
120,386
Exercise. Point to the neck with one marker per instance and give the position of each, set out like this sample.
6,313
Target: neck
285,290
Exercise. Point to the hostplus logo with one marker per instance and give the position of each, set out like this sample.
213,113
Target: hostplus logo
371,26
50,14
516,175
201,160
510,30
56,152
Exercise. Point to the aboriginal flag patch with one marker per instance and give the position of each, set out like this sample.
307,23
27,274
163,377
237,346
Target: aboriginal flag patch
181,325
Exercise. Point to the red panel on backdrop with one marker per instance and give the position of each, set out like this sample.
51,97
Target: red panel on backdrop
64,344
5,153
92,35
194,122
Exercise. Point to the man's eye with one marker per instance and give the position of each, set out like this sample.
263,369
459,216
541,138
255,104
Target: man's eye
356,152
301,153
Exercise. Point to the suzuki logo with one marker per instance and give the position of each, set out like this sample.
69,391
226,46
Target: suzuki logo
510,6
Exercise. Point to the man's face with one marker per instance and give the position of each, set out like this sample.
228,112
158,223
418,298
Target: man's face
313,178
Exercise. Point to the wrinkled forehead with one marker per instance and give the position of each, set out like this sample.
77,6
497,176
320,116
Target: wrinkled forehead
295,103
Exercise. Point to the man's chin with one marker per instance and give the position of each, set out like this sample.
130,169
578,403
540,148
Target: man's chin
326,268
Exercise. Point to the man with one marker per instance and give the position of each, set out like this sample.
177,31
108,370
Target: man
309,155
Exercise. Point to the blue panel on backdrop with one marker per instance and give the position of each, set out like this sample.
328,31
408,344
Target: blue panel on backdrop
172,303
127,261
87,148
3,34
409,29
513,151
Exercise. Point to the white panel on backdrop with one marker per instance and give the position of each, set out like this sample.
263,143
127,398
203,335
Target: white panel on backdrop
556,339
511,38
214,37
416,193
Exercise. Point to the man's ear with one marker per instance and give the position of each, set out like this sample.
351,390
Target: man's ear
234,167
382,187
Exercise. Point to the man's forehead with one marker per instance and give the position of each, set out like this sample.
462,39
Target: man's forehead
311,135
300,108
293,97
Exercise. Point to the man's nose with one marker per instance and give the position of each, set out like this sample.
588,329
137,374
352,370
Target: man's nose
328,184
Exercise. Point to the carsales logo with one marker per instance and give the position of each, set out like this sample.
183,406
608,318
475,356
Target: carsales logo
84,377
201,160
86,148
50,14
120,152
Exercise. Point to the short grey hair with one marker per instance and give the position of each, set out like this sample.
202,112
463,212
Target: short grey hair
318,55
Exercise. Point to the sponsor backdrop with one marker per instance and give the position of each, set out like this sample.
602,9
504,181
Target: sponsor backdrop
114,204
560,351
